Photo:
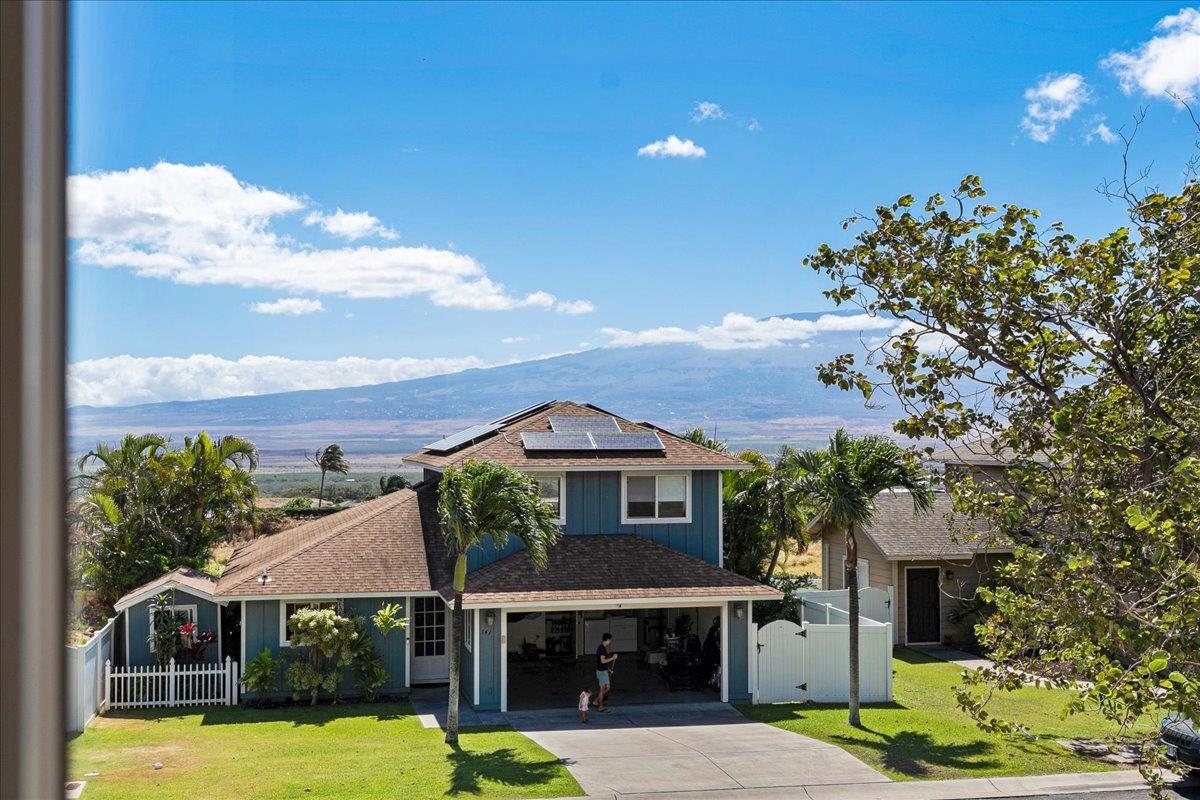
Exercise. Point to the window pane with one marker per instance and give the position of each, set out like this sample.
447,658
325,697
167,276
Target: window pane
672,496
639,496
549,490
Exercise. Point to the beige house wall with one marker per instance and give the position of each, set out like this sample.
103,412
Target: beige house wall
965,577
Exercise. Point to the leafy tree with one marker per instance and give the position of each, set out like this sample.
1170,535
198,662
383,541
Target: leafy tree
320,640
841,483
1081,359
393,483
478,502
148,510
328,459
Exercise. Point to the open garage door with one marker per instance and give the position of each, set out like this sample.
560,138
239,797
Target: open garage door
666,655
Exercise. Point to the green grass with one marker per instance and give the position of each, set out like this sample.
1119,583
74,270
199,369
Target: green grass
343,751
922,734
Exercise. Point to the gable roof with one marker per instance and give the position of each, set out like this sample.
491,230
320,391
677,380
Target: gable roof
503,445
190,580
901,533
375,547
604,568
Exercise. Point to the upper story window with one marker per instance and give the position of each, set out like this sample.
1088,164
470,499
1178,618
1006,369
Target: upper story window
663,497
552,488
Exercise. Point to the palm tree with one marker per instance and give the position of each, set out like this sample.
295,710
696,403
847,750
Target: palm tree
841,483
329,459
393,483
117,467
211,490
483,499
698,436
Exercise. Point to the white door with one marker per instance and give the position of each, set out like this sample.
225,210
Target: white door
429,640
782,663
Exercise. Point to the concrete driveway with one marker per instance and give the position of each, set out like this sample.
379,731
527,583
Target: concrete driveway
693,747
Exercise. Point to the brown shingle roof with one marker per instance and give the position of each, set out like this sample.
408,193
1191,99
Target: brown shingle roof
902,533
376,546
186,578
504,446
605,567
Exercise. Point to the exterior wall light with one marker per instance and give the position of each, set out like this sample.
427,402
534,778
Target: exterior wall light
264,579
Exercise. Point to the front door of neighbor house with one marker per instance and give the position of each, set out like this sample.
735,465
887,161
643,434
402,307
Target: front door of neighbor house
429,640
923,614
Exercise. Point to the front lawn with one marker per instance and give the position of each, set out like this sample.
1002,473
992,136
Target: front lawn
922,734
343,751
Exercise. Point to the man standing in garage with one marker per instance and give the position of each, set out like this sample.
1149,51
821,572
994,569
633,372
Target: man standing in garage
604,665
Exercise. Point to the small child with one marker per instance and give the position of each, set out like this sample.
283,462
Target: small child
585,698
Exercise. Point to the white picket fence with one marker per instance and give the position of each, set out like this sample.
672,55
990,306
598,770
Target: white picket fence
171,686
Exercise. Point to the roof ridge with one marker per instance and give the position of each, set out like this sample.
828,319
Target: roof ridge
336,530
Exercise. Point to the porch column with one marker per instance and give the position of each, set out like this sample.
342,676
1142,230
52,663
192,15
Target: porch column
751,653
503,661
725,652
408,626
475,653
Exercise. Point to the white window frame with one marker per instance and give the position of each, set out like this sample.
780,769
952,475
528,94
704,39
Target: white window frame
656,520
864,573
190,609
284,641
562,492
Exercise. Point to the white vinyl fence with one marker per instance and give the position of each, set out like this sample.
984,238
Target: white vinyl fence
85,677
172,685
873,603
811,661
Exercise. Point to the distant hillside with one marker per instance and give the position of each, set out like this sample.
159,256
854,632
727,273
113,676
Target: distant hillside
752,397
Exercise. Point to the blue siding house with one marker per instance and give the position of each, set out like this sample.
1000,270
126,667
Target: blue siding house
189,595
640,558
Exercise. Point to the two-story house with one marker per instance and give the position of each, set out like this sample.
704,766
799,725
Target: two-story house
640,557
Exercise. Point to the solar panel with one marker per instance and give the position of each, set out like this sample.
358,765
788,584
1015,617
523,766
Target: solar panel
462,437
556,440
598,424
524,411
641,440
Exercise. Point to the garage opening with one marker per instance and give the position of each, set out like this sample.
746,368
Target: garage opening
667,655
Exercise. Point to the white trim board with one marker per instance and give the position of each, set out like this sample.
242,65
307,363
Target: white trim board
618,603
233,598
602,466
164,588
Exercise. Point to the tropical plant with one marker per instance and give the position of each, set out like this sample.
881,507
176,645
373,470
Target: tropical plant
478,502
393,483
360,655
388,618
1080,359
320,639
840,484
297,504
765,513
261,674
148,510
166,630
328,459
698,436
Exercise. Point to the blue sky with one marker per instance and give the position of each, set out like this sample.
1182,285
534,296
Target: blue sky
491,155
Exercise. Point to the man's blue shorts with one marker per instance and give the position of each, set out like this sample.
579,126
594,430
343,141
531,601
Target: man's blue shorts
602,677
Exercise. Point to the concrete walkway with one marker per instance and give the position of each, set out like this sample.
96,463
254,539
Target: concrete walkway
959,657
1090,783
709,748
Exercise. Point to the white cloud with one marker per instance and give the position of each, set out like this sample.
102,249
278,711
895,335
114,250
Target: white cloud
122,380
201,225
740,331
574,307
1102,132
350,225
705,110
289,305
928,341
1168,63
753,125
1054,100
513,340
672,147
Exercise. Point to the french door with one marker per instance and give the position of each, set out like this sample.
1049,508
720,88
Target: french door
429,640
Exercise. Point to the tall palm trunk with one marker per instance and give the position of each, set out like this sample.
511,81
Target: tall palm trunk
852,591
321,491
774,558
455,655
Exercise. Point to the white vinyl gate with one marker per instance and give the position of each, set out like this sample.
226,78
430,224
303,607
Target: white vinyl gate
810,662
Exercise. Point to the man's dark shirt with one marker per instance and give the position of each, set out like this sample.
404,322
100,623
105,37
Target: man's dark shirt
602,651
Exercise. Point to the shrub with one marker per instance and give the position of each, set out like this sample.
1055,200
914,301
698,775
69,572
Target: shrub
262,673
319,650
297,504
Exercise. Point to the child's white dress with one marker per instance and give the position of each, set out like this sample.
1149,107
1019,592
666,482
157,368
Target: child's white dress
584,699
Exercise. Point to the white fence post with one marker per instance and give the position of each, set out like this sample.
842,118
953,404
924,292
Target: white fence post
171,681
107,681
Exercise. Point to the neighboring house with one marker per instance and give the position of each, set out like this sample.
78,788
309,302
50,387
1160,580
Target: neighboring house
931,563
189,594
641,558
